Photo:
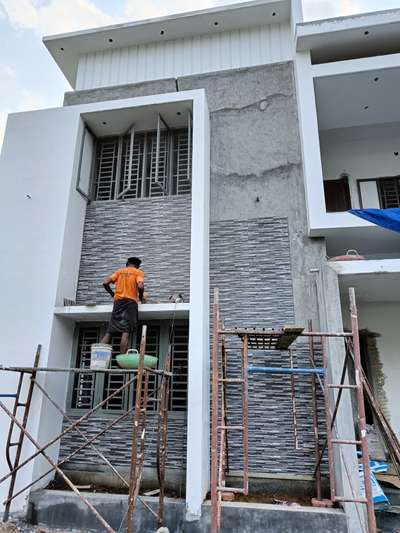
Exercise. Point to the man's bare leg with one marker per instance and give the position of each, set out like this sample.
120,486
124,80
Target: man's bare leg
106,339
124,342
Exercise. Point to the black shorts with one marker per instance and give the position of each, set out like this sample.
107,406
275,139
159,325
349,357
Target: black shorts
124,318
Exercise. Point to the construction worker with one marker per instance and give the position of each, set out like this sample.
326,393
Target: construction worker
129,289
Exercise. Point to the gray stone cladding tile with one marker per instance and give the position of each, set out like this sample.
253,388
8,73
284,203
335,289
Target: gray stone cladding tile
250,264
116,444
157,230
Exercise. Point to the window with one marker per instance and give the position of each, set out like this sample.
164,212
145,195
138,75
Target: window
179,367
337,195
389,192
143,165
83,180
383,193
90,389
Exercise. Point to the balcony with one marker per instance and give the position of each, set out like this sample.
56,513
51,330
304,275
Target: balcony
352,156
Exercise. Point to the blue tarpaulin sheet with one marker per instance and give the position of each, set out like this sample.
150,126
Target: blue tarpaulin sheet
386,218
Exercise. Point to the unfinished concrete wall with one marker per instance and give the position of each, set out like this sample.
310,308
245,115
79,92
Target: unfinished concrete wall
131,90
256,169
155,229
260,252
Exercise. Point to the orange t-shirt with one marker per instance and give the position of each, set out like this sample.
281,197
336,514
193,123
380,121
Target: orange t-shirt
126,283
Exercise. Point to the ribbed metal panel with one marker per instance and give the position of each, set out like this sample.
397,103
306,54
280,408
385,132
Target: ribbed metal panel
181,57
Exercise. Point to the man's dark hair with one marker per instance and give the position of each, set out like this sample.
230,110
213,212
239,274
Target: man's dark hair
134,261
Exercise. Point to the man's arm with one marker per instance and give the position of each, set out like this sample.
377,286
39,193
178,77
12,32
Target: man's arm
141,290
106,284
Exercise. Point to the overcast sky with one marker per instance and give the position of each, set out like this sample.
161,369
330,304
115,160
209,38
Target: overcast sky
29,79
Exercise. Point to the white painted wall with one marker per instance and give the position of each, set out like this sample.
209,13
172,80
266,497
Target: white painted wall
310,143
198,430
383,318
181,57
61,340
362,153
37,160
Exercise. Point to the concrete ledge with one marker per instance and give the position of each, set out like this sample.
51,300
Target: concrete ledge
63,509
103,312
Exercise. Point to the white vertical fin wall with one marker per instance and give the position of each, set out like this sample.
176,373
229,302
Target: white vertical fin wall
37,178
181,57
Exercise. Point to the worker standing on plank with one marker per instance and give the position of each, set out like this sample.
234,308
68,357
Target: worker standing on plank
129,289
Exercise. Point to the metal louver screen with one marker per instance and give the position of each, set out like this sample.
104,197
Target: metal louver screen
389,190
152,172
180,339
135,190
182,167
106,168
88,390
84,384
158,173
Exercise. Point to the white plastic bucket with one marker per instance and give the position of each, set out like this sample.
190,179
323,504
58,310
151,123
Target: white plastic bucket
100,356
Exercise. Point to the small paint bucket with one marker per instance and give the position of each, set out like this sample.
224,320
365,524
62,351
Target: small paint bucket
100,356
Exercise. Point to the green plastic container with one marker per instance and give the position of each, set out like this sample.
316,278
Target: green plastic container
130,360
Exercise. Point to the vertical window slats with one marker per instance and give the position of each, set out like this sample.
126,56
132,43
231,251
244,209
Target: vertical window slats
83,384
173,168
106,166
85,388
180,340
136,167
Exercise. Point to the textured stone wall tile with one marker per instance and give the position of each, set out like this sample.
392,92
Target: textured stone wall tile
250,264
157,230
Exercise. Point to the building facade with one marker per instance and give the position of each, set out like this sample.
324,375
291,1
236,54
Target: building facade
224,148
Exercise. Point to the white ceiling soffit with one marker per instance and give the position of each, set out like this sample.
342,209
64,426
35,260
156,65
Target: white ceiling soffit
372,287
358,99
118,121
352,36
67,48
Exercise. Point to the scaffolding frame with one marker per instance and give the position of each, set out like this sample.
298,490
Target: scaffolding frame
281,339
139,376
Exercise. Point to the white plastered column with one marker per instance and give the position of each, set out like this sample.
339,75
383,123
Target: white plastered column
198,425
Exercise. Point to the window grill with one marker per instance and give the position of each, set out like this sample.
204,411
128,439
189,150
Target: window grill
160,165
182,163
88,390
136,167
180,340
83,384
106,168
113,382
389,192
